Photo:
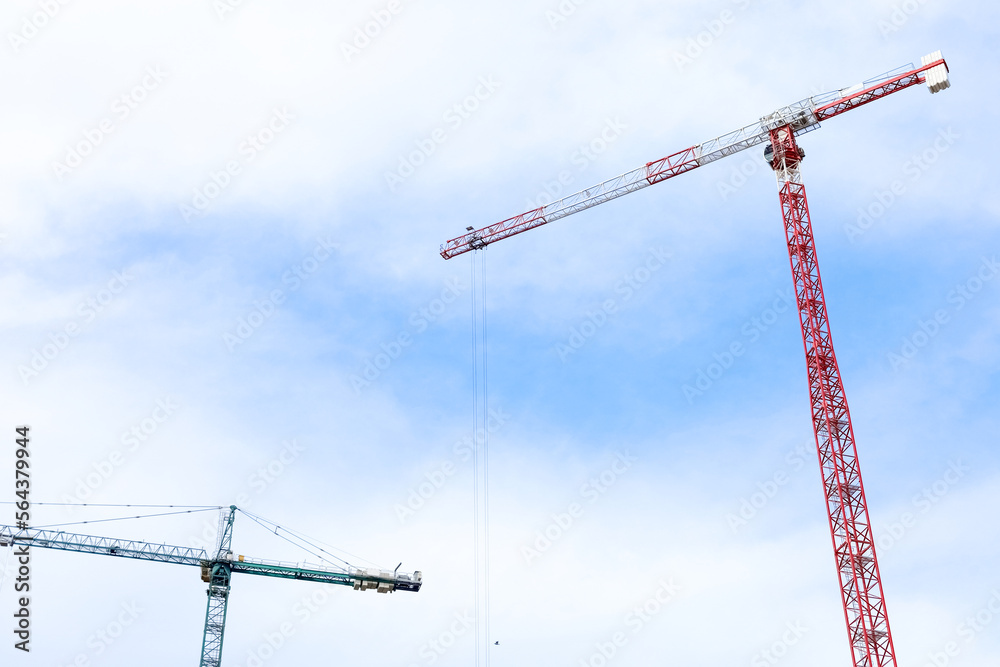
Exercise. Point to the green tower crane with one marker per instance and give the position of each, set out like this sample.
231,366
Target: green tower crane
216,570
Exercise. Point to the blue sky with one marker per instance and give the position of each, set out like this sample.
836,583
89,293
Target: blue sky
237,207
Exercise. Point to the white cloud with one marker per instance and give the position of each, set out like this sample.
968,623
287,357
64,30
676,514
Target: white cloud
323,175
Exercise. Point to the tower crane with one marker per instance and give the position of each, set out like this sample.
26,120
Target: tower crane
216,569
850,527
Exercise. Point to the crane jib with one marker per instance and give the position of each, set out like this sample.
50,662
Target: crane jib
383,581
881,89
803,116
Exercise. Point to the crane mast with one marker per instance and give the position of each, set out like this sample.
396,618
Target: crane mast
853,542
217,574
847,510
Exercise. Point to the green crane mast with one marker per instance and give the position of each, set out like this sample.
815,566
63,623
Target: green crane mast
215,571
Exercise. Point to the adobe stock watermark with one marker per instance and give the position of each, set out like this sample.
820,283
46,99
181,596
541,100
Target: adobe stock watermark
584,156
311,605
272,642
591,491
635,620
33,23
224,8
256,483
307,607
971,627
751,506
900,16
462,451
364,35
105,637
87,311
292,279
704,39
626,288
562,13
268,473
773,654
122,108
751,332
420,320
923,503
739,176
453,118
435,648
927,329
132,440
219,180
913,169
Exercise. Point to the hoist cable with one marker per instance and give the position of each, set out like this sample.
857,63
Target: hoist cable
475,451
486,467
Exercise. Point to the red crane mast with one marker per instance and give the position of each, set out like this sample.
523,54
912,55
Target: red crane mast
850,526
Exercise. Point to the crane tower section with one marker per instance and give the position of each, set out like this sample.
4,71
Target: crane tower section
853,542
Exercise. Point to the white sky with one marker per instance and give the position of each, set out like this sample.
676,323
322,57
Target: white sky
331,124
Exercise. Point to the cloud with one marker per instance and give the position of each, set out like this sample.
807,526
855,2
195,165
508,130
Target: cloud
257,119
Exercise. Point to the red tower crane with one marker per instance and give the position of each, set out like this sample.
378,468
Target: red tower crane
850,526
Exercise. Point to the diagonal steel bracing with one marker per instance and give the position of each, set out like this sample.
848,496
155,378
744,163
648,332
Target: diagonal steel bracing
850,527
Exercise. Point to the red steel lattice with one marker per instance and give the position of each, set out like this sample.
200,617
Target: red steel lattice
850,527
